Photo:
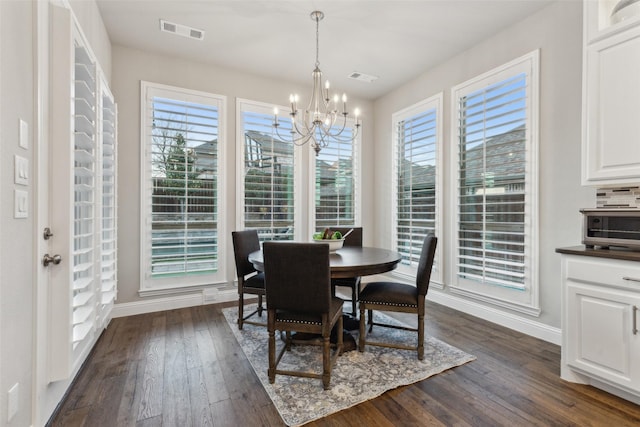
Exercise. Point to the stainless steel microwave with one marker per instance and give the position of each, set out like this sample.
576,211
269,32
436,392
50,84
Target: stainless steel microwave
611,227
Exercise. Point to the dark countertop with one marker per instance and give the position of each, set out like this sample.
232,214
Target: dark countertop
613,253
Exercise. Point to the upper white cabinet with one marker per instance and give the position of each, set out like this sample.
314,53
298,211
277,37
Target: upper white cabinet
603,18
611,92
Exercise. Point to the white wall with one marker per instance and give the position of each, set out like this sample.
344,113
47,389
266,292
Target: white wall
557,32
16,251
20,98
130,66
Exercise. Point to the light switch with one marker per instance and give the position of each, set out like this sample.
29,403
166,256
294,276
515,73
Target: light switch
21,204
24,134
21,167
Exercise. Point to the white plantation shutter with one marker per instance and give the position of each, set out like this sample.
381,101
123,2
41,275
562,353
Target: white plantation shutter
268,173
85,245
109,218
335,186
181,187
416,188
417,183
496,199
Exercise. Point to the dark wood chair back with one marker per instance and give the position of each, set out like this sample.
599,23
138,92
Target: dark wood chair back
298,276
353,239
244,242
250,281
425,265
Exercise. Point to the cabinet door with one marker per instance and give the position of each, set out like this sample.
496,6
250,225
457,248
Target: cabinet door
601,337
611,116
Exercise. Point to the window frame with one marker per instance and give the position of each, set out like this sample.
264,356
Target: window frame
528,300
435,102
357,177
150,286
246,105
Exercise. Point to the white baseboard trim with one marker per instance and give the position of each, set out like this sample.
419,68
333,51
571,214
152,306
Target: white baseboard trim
502,318
151,305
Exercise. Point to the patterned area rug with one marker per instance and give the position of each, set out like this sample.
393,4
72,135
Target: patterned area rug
355,378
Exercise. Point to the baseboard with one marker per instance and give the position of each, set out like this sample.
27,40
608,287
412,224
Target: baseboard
151,305
502,318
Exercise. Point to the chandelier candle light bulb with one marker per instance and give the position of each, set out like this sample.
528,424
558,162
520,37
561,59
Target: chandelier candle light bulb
319,123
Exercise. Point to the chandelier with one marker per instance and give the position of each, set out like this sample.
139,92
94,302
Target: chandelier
321,121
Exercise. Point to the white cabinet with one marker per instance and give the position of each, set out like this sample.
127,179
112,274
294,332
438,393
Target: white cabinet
82,191
600,338
611,92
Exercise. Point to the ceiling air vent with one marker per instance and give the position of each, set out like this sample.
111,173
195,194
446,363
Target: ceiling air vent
181,30
362,77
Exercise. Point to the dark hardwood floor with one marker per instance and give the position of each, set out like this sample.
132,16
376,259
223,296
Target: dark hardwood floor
185,368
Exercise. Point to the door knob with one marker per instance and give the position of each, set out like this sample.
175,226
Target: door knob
48,259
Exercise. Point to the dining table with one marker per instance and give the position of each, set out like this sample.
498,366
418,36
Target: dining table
350,261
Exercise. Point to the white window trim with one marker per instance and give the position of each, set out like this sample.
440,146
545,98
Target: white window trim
435,101
170,285
357,168
265,108
528,302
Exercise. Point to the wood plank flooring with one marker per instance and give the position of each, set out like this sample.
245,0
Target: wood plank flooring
185,368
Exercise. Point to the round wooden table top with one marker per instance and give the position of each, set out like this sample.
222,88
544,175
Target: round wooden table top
350,261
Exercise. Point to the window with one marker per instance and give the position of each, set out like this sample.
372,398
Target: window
496,198
417,145
268,165
336,197
181,166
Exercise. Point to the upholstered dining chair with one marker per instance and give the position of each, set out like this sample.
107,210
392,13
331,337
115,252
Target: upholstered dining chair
299,298
353,239
250,281
399,297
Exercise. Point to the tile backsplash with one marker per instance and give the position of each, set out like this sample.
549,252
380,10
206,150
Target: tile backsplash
624,197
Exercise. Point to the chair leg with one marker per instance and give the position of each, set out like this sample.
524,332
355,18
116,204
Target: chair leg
420,336
370,320
240,309
272,355
362,330
260,305
326,361
354,298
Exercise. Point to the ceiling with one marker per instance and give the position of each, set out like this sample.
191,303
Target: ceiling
395,40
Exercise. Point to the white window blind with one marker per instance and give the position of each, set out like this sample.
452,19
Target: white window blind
335,186
269,190
492,183
85,246
109,217
181,186
417,139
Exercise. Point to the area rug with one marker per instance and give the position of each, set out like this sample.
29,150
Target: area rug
355,378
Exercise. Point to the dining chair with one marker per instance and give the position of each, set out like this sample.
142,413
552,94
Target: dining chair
353,239
299,299
399,297
250,281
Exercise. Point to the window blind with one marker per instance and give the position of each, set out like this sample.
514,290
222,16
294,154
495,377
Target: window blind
184,173
416,183
268,178
335,184
492,183
109,220
85,153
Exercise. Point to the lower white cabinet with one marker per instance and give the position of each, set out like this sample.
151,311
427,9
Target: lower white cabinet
600,337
